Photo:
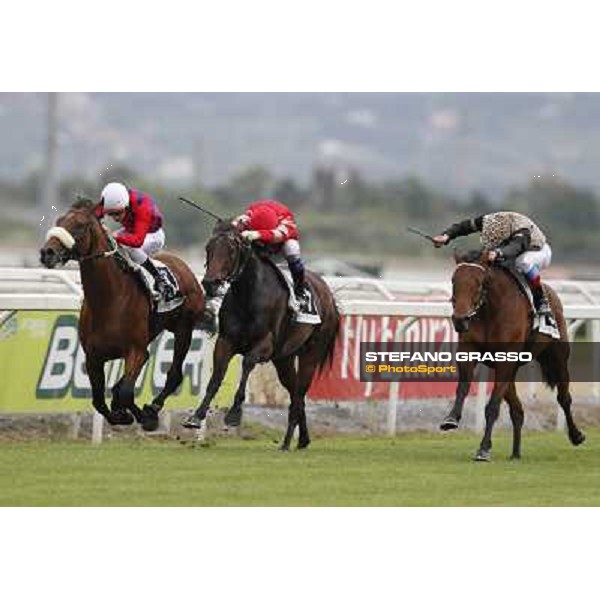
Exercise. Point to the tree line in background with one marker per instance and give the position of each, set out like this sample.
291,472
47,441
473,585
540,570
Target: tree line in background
345,215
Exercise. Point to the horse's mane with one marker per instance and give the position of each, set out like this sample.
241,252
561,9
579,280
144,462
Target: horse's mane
470,256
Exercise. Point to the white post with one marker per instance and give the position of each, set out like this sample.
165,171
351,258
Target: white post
532,381
596,357
167,421
481,399
392,413
75,425
97,427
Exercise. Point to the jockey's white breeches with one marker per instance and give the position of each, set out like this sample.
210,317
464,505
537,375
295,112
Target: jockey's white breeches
153,242
291,249
539,259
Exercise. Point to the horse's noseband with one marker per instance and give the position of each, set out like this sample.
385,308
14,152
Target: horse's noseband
244,250
482,292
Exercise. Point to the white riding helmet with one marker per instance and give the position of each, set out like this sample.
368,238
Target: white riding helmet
115,197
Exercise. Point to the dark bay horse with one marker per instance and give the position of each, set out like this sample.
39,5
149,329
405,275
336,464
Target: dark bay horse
491,314
116,319
255,321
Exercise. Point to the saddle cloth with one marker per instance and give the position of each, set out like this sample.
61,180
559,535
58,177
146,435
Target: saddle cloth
541,324
306,312
171,298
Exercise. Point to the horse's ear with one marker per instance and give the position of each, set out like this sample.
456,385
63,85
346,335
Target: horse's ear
83,203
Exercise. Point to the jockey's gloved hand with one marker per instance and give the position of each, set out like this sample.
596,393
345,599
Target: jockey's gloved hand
440,240
498,256
251,236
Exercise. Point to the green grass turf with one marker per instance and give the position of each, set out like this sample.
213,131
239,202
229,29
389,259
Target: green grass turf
409,470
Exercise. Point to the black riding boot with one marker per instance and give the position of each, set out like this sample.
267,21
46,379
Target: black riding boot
541,302
297,270
159,282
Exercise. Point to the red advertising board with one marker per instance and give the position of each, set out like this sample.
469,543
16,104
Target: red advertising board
343,382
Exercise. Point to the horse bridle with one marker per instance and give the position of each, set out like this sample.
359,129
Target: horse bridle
244,253
482,290
66,238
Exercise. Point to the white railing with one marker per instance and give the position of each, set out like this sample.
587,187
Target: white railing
43,289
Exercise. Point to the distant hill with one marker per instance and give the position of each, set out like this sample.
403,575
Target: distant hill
458,142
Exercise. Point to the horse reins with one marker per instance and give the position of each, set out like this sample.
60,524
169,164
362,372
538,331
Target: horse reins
106,253
242,259
482,290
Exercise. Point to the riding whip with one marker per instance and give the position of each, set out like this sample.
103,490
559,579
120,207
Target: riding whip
420,233
200,208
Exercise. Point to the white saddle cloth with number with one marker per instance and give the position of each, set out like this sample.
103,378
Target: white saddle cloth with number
306,312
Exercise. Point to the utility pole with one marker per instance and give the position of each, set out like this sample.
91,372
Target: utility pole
50,180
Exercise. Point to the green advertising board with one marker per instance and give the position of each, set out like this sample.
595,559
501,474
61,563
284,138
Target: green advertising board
42,367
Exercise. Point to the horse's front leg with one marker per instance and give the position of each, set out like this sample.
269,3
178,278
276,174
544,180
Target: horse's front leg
134,362
505,375
119,413
465,377
261,352
233,418
222,355
95,370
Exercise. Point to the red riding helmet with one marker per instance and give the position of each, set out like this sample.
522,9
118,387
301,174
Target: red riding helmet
263,218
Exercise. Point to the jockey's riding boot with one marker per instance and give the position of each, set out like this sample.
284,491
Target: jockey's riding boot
297,270
159,282
541,302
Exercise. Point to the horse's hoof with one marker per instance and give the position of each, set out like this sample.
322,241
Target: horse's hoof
284,448
192,422
150,420
449,423
515,457
577,438
233,417
150,424
483,456
302,445
120,416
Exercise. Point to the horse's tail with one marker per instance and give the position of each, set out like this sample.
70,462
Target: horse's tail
550,366
553,360
326,358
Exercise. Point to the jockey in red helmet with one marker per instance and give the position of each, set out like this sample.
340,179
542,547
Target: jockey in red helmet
141,234
272,223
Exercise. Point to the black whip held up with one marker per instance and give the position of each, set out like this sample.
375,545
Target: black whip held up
200,208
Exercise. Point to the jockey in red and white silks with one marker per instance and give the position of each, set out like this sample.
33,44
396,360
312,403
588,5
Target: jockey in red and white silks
272,223
141,234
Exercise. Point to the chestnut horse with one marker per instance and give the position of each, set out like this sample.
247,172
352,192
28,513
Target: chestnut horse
117,319
491,314
255,321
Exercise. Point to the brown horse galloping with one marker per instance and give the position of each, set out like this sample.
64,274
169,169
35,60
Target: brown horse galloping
255,321
116,319
492,315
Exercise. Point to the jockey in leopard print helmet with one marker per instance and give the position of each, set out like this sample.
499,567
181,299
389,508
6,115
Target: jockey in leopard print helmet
510,236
